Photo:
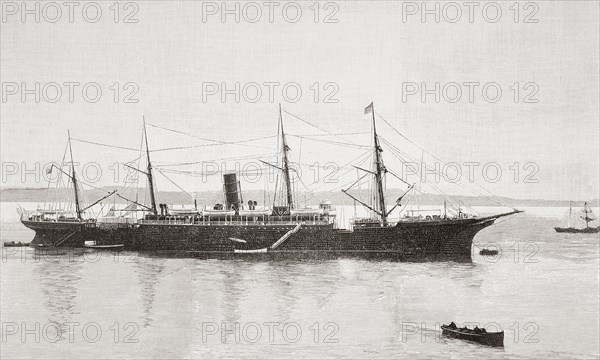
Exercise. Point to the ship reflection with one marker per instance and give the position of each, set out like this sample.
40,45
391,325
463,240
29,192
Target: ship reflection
149,270
59,275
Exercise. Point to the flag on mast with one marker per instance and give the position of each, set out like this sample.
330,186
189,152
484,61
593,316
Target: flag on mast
49,170
369,109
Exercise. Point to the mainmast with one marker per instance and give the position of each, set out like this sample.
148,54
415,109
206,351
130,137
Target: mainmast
587,218
286,167
379,169
74,178
149,173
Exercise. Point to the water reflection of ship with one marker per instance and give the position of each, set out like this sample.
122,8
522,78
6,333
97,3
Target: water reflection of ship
242,285
233,291
59,277
149,271
287,288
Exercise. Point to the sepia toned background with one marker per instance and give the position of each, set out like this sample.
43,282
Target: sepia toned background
368,50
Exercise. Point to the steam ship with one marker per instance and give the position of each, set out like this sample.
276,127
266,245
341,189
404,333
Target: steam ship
236,228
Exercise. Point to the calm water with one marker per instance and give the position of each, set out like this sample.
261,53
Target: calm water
543,291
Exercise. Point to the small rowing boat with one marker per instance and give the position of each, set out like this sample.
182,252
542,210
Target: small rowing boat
14,244
92,245
488,252
477,335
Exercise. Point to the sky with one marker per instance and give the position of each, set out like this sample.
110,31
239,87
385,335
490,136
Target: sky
176,65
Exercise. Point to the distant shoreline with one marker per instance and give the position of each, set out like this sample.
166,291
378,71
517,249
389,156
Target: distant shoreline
210,197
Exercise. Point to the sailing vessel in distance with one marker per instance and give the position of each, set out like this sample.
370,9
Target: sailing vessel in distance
280,228
586,214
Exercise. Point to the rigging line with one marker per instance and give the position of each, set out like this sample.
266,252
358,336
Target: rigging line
398,153
300,151
204,174
90,185
240,143
183,133
316,127
57,182
218,142
308,192
435,157
139,162
333,142
357,181
242,171
311,193
437,189
450,198
338,134
129,181
106,145
349,183
316,165
321,185
365,156
220,159
133,160
60,180
173,182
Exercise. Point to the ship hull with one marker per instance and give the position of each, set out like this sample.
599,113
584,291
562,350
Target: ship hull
418,241
75,234
589,230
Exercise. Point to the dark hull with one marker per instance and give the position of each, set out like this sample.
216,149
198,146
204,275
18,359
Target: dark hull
75,234
407,241
591,230
489,339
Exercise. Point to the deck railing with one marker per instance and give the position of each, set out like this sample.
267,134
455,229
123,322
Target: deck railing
231,222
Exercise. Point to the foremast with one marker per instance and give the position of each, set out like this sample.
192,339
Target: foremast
379,171
378,206
587,217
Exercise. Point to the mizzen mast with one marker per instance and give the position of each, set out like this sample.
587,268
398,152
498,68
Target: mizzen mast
587,211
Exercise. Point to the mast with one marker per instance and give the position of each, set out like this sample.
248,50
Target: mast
570,213
75,188
379,169
445,215
149,173
286,167
587,218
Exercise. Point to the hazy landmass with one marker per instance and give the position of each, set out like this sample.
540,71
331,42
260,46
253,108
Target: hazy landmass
41,195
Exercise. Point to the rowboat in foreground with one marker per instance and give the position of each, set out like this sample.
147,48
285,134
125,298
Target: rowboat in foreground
477,335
